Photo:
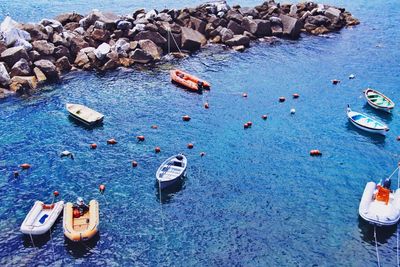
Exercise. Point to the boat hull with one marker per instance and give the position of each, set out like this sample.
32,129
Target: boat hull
85,122
370,130
387,109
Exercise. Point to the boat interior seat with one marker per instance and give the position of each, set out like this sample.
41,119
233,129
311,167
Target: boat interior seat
178,163
383,194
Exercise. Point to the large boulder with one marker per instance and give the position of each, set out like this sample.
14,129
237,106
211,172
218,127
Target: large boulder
63,64
226,34
4,76
13,54
238,40
82,61
109,19
291,26
235,27
68,18
77,43
257,27
56,25
140,56
61,51
20,68
157,38
20,84
100,35
197,24
318,20
43,47
192,40
48,68
151,48
4,93
121,46
332,13
71,26
36,31
102,50
234,15
124,25
41,78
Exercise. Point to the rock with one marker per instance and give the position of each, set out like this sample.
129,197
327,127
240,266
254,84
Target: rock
157,38
13,35
126,62
102,50
151,27
68,18
117,34
82,61
139,11
48,68
34,55
11,55
63,64
71,26
3,47
235,27
164,17
191,39
293,11
140,56
133,45
277,30
121,46
247,11
238,40
239,48
318,20
110,65
77,43
56,25
151,14
139,27
291,26
8,24
151,48
36,31
43,47
20,83
23,43
100,35
226,34
98,25
309,27
41,78
4,76
217,39
4,93
257,27
20,68
320,30
49,30
305,15
234,15
332,13
197,24
124,25
109,19
61,51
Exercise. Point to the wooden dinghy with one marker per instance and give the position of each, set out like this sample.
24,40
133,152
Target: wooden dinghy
84,114
189,81
379,101
171,170
81,227
366,123
41,218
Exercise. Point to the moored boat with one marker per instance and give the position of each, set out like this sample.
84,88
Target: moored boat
41,218
171,170
84,114
379,205
366,123
189,81
81,227
379,101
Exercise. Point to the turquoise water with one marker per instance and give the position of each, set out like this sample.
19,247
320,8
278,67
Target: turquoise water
256,198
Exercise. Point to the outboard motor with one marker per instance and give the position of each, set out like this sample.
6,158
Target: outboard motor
200,86
386,183
179,157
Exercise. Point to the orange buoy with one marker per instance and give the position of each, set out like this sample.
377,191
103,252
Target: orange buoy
264,117
134,164
76,213
111,141
56,193
102,188
335,81
315,152
249,123
154,126
246,125
25,166
202,154
16,174
93,146
157,149
190,145
282,99
244,94
295,95
140,138
186,118
206,106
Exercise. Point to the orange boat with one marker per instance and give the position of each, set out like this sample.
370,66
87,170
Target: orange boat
189,81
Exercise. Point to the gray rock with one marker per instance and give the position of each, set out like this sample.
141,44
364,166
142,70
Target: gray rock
226,34
20,68
197,24
36,31
48,68
61,51
164,17
157,38
4,76
139,27
56,25
151,14
71,26
43,47
102,50
11,55
293,10
238,40
140,56
235,27
11,36
332,13
63,64
151,48
234,15
192,40
99,25
257,27
121,46
4,93
124,25
100,35
247,11
291,26
68,18
23,43
318,20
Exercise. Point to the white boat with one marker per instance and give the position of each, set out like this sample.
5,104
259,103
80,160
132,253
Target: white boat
380,206
366,123
171,170
41,218
379,101
84,114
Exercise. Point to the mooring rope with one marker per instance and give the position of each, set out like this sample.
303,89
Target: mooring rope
376,247
52,245
397,226
162,219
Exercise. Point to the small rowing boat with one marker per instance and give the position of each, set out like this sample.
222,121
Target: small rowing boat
41,218
366,123
84,114
379,101
189,81
379,205
171,170
79,227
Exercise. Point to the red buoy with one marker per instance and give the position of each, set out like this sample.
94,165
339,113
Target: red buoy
93,146
264,117
202,154
335,81
206,106
16,174
249,123
157,149
111,141
186,118
398,138
134,164
315,152
296,95
246,125
282,99
154,126
25,166
140,138
190,145
102,188
244,94
76,213
56,193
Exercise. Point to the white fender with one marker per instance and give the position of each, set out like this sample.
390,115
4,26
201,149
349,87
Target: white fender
367,197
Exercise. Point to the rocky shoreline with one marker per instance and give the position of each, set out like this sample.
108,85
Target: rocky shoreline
33,54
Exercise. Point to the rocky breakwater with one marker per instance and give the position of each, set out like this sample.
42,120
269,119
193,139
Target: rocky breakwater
34,53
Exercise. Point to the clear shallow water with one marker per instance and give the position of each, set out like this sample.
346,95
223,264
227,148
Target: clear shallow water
256,199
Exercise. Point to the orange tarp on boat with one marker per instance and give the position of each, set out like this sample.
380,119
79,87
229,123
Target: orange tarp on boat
189,81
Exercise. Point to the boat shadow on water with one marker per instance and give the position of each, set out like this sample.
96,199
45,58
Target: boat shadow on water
169,192
40,240
383,234
81,249
80,124
379,114
377,139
